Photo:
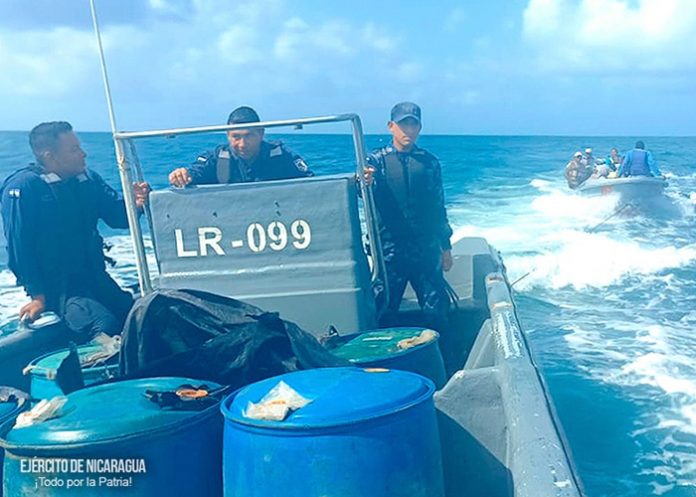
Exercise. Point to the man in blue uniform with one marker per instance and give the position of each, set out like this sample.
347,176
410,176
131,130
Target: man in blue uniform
246,158
639,162
413,221
50,212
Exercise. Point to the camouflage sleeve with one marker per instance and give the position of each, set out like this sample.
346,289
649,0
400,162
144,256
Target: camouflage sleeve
374,161
203,170
444,230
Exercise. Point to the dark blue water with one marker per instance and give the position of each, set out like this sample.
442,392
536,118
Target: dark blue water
610,313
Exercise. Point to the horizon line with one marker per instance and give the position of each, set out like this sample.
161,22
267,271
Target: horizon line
507,135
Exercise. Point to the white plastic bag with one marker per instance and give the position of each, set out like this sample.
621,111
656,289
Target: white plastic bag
276,404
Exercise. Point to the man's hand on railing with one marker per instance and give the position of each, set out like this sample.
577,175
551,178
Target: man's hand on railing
179,177
141,191
368,175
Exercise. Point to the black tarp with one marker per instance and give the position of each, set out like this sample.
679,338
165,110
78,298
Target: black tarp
205,336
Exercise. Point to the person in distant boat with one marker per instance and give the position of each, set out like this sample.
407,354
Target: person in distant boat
614,160
413,224
639,162
577,171
588,159
599,169
246,158
50,212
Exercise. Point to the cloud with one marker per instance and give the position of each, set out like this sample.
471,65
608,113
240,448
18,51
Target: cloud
455,19
410,72
611,36
35,63
228,52
176,9
237,45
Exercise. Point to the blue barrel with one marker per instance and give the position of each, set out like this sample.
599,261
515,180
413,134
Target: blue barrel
362,434
42,370
112,440
397,348
12,402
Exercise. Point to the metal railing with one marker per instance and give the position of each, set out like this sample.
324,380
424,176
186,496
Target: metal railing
124,141
126,138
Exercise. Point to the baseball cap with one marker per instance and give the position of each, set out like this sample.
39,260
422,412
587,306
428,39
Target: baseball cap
242,115
588,150
577,154
405,110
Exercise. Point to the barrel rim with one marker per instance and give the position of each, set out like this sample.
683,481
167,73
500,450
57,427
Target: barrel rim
401,353
21,449
173,426
42,372
275,426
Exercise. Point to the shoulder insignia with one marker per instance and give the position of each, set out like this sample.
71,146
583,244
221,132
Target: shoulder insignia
50,178
82,177
223,154
14,192
301,165
276,151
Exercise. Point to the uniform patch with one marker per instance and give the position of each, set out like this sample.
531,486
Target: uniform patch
50,178
201,159
301,165
275,152
14,192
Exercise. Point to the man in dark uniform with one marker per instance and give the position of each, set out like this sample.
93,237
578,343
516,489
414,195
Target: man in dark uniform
50,212
413,221
246,158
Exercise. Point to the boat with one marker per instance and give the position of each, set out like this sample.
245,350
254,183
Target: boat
630,189
306,260
296,247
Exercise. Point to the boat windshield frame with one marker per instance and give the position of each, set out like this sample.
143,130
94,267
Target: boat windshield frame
125,140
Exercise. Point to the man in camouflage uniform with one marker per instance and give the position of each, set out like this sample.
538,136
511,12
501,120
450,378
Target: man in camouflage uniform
413,223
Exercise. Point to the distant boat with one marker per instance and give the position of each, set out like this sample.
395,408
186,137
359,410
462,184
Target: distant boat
631,189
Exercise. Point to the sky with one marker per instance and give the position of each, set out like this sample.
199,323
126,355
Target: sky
520,67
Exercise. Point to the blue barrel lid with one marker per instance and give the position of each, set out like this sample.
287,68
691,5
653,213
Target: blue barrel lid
376,345
337,396
49,363
107,412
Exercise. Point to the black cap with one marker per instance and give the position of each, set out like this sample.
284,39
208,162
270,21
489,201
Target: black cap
640,145
242,115
404,110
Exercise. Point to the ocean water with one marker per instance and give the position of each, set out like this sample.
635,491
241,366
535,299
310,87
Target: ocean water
609,307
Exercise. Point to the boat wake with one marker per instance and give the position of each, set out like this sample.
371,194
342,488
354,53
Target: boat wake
623,295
